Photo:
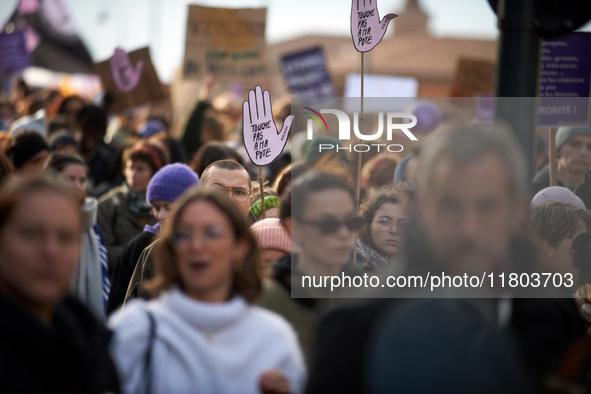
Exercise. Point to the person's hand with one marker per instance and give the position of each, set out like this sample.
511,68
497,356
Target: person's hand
366,28
126,77
262,140
274,382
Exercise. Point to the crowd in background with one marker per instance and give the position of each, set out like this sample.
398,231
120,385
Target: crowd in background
133,260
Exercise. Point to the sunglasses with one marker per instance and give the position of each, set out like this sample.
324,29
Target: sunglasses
331,226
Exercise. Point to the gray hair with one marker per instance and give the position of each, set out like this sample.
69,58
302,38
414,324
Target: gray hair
465,143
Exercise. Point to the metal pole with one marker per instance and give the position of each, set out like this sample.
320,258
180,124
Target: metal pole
517,72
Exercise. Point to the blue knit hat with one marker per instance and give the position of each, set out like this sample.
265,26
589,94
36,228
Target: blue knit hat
566,133
170,182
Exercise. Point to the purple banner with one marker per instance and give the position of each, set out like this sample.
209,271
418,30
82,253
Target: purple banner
565,72
306,75
13,52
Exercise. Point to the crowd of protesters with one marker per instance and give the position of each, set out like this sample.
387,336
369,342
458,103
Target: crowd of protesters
134,261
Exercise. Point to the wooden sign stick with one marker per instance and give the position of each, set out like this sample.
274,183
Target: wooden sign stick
552,155
262,191
358,189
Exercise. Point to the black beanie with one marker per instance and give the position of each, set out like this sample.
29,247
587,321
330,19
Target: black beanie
24,146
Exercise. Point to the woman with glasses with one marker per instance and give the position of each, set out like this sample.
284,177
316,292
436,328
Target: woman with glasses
380,236
323,222
202,333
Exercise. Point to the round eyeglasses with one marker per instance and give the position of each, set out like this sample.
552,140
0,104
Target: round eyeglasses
386,224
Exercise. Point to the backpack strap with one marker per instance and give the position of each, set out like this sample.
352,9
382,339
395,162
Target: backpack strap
148,359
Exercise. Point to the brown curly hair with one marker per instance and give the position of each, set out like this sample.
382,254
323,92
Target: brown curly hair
368,209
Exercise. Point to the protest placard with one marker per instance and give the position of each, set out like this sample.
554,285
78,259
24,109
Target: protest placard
473,77
565,76
367,30
263,142
380,86
131,78
306,74
13,52
226,42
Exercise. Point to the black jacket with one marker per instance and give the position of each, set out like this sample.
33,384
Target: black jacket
542,180
124,269
416,345
69,357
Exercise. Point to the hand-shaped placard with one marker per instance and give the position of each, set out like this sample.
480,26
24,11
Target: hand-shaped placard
126,76
262,140
366,28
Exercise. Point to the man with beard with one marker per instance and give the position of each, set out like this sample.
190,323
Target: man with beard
468,205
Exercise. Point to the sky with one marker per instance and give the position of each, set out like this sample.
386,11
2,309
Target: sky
132,24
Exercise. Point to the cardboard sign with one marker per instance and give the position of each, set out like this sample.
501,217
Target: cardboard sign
565,75
144,86
366,28
380,86
262,141
306,74
124,73
226,42
473,77
13,52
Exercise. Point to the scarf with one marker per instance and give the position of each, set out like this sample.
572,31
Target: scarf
136,202
207,317
155,229
87,282
370,259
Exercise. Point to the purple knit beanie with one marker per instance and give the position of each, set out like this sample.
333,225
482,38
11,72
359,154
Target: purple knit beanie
557,193
170,182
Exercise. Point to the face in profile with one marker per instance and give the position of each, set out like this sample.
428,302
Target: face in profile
206,250
469,214
386,228
326,229
40,249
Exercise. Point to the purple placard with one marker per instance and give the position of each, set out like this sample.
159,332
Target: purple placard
485,109
306,74
13,52
565,73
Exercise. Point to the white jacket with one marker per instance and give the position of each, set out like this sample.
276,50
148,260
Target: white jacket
203,347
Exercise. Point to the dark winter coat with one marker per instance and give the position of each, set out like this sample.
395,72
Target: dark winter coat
71,356
542,181
124,269
118,224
